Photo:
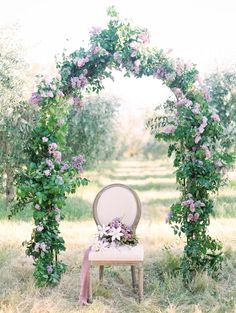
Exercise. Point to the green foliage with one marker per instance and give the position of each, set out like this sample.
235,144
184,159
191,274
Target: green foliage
92,130
16,117
222,88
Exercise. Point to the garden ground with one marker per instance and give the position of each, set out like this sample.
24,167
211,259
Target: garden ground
164,290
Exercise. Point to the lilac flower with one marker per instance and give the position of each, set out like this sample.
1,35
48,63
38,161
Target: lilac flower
190,217
196,217
35,98
47,173
45,139
184,102
197,138
169,129
78,102
206,93
179,67
144,37
64,167
134,45
215,117
79,82
95,49
49,269
37,207
77,162
47,94
177,92
80,62
57,155
206,150
196,108
49,163
160,73
60,94
52,147
218,164
137,66
117,57
40,246
95,30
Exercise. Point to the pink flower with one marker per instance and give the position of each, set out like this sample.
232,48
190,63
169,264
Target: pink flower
78,102
169,129
201,129
117,57
190,217
45,139
47,173
204,121
215,117
39,228
178,92
52,147
35,98
144,37
196,217
184,102
197,138
60,94
80,62
49,163
37,207
206,93
95,49
134,45
196,108
57,155
206,151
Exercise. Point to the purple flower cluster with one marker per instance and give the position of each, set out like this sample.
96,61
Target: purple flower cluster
193,216
49,269
79,82
77,163
64,167
200,130
35,98
40,246
184,102
80,62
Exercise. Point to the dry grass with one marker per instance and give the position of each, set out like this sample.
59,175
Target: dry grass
164,290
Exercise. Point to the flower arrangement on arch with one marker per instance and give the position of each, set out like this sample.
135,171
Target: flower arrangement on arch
114,234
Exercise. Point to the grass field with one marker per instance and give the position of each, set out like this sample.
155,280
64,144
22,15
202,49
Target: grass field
164,290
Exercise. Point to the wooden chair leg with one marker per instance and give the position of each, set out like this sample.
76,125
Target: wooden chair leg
134,283
140,282
101,273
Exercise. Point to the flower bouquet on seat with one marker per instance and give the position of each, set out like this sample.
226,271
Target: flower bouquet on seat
114,234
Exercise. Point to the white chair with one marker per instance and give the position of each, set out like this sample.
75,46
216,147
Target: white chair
118,200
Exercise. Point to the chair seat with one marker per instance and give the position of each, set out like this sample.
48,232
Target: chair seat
122,253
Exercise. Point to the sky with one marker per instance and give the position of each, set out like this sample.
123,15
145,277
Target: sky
202,31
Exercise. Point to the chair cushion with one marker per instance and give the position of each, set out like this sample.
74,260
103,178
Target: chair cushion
122,253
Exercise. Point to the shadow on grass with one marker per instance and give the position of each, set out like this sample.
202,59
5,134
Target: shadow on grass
140,177
225,206
75,209
155,186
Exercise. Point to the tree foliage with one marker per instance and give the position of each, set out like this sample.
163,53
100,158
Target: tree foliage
222,91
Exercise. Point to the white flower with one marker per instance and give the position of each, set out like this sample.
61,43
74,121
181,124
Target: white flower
99,245
115,233
103,230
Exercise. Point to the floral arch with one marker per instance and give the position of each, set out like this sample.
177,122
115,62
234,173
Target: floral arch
189,124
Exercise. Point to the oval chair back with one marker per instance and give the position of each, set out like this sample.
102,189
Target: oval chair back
117,200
